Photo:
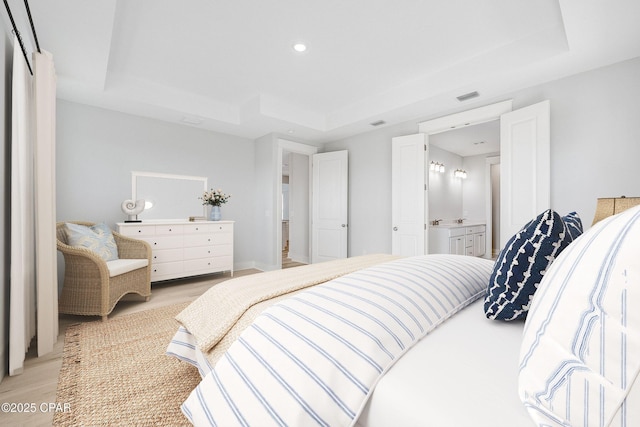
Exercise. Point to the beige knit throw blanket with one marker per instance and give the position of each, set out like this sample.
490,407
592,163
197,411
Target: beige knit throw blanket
213,314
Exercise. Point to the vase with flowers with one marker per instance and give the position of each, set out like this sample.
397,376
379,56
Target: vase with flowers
215,198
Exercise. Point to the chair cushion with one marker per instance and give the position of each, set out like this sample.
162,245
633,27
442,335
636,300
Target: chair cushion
97,238
121,266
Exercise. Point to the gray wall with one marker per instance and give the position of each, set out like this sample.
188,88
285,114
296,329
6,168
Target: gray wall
6,52
97,149
594,149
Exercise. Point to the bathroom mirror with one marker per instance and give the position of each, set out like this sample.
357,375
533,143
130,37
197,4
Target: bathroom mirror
168,196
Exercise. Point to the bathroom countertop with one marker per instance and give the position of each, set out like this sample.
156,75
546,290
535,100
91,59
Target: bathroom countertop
456,225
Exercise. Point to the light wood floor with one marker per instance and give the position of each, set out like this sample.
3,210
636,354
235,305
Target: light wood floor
38,383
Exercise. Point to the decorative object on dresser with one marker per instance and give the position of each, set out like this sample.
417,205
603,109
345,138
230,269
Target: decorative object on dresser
215,198
132,209
457,238
182,248
97,274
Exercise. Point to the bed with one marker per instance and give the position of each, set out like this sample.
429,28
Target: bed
428,354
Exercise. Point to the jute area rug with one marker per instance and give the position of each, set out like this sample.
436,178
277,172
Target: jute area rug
116,373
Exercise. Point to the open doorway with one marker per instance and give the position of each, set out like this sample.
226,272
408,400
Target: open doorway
472,194
295,209
294,161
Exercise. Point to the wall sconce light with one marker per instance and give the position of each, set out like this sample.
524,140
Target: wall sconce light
459,173
436,167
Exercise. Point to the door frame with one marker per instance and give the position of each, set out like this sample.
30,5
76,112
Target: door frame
293,147
471,117
489,161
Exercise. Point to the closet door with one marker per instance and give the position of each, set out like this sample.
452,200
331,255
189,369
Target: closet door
330,206
408,195
525,167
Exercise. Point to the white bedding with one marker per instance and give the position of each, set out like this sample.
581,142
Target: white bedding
464,373
210,397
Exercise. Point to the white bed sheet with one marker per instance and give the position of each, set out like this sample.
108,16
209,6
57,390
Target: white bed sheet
464,373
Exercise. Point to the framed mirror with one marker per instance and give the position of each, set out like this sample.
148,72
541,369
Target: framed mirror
168,196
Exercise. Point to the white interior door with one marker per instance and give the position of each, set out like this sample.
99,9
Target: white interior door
330,206
408,195
525,167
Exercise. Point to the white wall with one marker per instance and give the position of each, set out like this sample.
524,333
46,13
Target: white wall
474,187
445,191
97,149
594,149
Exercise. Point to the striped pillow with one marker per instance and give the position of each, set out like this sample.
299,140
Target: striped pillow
580,354
574,224
521,265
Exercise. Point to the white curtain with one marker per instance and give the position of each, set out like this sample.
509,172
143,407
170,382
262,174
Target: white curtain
45,197
34,282
22,320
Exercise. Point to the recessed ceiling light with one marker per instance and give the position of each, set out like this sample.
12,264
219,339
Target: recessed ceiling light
299,47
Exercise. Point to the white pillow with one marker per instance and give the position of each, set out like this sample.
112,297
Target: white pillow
580,353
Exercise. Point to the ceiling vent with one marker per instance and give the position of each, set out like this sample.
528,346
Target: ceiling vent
377,123
468,96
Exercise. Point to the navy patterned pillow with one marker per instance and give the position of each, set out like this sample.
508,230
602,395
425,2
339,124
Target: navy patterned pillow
574,224
521,265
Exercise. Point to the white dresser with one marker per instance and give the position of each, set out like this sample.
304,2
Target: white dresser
183,248
458,239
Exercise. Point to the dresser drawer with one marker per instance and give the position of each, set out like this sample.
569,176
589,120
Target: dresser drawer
200,265
221,263
476,229
198,240
166,255
458,231
223,238
164,242
223,228
171,229
469,240
135,231
166,268
199,228
198,252
222,250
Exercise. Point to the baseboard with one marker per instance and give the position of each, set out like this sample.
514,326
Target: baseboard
247,265
299,258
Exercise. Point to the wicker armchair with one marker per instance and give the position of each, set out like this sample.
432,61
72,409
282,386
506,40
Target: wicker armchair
88,288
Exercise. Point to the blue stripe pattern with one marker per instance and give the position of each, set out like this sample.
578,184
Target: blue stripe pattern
314,358
580,356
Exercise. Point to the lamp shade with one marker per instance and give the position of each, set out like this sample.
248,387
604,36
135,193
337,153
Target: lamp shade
613,205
